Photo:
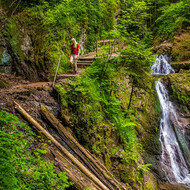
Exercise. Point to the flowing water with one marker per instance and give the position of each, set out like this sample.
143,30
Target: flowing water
82,41
172,160
162,66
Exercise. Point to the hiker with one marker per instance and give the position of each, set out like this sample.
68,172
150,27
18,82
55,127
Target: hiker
74,54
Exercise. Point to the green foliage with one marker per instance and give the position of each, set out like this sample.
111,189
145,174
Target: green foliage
21,165
133,20
173,17
137,59
98,112
48,27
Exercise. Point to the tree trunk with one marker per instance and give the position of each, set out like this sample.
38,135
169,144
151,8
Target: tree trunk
60,147
98,168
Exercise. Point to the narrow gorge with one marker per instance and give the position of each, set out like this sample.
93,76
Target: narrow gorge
120,120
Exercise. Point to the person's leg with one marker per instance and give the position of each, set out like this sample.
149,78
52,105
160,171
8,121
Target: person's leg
75,65
71,60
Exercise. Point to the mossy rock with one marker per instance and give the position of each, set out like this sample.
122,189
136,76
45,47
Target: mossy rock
179,66
179,87
181,46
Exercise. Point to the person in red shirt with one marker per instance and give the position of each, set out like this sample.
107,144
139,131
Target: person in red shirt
74,54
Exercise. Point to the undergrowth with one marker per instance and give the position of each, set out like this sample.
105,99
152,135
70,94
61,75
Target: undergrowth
100,120
21,164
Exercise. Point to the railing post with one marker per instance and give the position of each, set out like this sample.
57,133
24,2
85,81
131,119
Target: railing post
114,44
96,47
118,44
109,47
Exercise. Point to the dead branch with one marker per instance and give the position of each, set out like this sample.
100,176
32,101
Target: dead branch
60,147
98,168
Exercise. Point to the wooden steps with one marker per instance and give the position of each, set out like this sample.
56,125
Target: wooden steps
82,62
85,61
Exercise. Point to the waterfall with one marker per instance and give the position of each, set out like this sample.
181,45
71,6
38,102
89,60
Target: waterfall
82,41
172,160
162,66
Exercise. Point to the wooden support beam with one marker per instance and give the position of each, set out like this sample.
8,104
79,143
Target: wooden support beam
96,48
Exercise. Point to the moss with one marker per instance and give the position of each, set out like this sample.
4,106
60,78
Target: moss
181,48
14,38
150,182
179,86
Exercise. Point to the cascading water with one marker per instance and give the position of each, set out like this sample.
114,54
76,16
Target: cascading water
82,41
162,66
172,160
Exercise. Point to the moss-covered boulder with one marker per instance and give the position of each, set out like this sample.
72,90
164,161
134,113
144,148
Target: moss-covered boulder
181,46
25,45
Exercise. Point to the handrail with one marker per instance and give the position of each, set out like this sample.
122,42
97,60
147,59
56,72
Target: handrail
114,44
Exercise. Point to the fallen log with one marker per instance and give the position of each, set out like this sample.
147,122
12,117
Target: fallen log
99,169
60,147
80,180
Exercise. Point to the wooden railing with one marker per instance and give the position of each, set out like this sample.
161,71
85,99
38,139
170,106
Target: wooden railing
113,45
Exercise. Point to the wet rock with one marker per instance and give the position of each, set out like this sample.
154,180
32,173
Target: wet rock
179,88
180,66
163,48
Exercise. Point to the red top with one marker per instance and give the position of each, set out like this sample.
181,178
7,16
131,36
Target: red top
75,50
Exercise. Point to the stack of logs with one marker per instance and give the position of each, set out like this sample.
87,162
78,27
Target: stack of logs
91,167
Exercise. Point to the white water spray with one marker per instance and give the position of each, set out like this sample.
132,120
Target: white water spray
82,41
172,160
162,66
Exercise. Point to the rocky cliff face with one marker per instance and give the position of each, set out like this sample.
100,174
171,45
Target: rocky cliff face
178,48
25,46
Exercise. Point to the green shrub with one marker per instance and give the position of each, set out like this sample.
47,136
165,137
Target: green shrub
21,164
173,17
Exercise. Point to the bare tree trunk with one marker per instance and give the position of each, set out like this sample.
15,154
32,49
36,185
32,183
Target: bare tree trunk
60,147
98,168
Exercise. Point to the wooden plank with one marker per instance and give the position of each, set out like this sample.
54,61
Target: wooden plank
93,164
67,76
84,63
90,58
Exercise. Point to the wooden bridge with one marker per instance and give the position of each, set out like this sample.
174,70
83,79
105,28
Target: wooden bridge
111,47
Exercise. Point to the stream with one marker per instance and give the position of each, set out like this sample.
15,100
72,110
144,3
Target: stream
172,160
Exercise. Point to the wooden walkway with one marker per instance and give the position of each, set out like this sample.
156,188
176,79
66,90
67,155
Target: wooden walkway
87,60
82,63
